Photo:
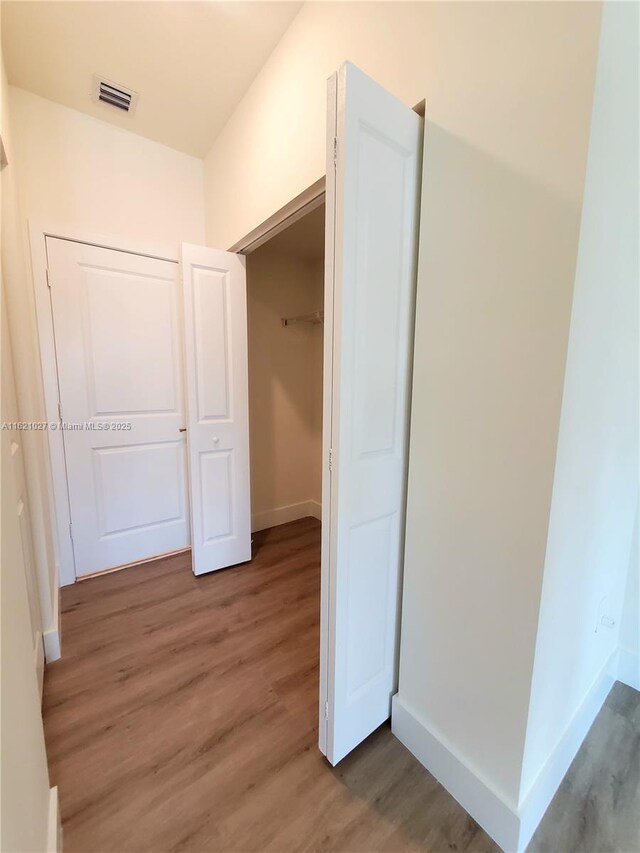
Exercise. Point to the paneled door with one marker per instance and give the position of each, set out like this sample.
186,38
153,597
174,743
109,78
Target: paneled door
117,321
15,498
373,172
215,309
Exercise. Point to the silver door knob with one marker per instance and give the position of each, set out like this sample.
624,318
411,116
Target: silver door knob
215,439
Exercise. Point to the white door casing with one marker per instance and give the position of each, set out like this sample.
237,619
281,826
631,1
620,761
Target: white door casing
215,311
372,227
118,340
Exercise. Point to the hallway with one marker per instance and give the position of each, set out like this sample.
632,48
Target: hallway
183,716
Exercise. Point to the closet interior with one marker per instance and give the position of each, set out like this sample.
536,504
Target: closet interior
285,298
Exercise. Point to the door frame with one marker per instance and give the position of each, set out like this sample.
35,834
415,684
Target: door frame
58,491
322,191
293,210
328,532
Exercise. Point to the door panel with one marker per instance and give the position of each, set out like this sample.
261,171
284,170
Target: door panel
139,373
210,298
218,417
372,219
118,336
158,466
14,479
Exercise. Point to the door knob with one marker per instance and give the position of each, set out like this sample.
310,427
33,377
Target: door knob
215,439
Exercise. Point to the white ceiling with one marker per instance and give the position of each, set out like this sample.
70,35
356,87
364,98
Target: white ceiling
190,62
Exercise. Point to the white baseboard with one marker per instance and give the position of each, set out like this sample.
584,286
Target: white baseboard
284,514
315,509
629,668
52,649
51,638
487,807
510,826
537,799
54,825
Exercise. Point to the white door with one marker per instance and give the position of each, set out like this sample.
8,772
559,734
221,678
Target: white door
118,335
215,311
16,485
372,221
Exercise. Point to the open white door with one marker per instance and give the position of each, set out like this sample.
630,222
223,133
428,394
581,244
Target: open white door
215,317
373,174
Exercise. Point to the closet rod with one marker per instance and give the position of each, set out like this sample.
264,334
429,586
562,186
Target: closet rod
314,317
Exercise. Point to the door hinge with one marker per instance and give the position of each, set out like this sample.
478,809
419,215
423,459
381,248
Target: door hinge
335,152
48,279
326,710
59,411
71,531
331,460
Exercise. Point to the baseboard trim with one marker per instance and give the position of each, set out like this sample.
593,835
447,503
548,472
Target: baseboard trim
536,801
285,514
629,668
51,640
54,826
315,509
486,806
510,826
52,649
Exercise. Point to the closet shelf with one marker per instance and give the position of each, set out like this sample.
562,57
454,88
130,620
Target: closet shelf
314,317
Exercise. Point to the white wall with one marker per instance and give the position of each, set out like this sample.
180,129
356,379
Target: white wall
84,175
285,386
25,795
25,781
596,479
509,91
629,665
498,78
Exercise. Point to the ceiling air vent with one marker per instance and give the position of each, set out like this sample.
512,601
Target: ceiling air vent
114,94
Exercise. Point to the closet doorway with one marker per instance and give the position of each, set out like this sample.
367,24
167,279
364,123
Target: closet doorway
285,308
273,433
